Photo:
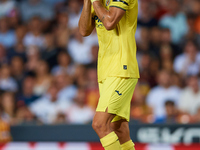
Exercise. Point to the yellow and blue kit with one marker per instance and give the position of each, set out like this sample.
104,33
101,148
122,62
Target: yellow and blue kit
118,71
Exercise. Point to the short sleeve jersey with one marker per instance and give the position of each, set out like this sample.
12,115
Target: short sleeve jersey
117,47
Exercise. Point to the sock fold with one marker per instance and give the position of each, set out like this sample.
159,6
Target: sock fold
128,145
109,139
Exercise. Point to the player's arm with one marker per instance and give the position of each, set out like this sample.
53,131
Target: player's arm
86,24
110,18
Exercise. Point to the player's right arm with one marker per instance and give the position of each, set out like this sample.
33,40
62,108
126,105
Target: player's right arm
86,24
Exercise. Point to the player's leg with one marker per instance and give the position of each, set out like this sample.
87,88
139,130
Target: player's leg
121,128
101,125
115,97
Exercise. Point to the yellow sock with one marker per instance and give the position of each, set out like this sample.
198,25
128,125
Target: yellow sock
110,142
128,145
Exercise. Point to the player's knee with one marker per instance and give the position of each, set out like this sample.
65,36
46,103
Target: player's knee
99,126
96,125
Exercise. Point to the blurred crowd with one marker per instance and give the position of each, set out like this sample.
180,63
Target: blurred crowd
48,70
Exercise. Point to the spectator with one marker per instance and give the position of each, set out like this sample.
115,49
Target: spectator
146,16
33,56
161,93
148,69
34,37
92,90
192,34
43,78
64,64
197,116
20,33
25,117
80,75
74,13
188,63
27,96
166,55
171,113
92,40
6,6
175,20
167,40
161,9
3,55
62,19
49,106
62,32
5,135
177,81
8,107
196,10
53,2
155,41
79,50
14,19
7,83
50,51
7,37
189,101
79,112
67,90
60,119
140,111
18,50
144,63
143,39
17,70
31,8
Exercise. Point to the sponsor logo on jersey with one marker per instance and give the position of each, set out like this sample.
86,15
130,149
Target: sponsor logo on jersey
107,2
98,22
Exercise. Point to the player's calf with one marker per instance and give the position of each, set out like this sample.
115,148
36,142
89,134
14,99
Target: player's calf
121,128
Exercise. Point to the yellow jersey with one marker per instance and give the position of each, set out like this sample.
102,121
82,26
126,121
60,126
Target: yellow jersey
117,47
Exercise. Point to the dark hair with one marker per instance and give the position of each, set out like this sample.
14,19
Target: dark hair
169,103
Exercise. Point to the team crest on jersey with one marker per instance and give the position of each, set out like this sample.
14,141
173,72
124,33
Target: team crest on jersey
107,2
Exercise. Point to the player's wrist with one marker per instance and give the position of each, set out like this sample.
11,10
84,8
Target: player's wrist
92,1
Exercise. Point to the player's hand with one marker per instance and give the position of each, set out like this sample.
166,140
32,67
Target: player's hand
94,1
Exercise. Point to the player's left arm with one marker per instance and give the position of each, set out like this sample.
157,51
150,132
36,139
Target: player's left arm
110,18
